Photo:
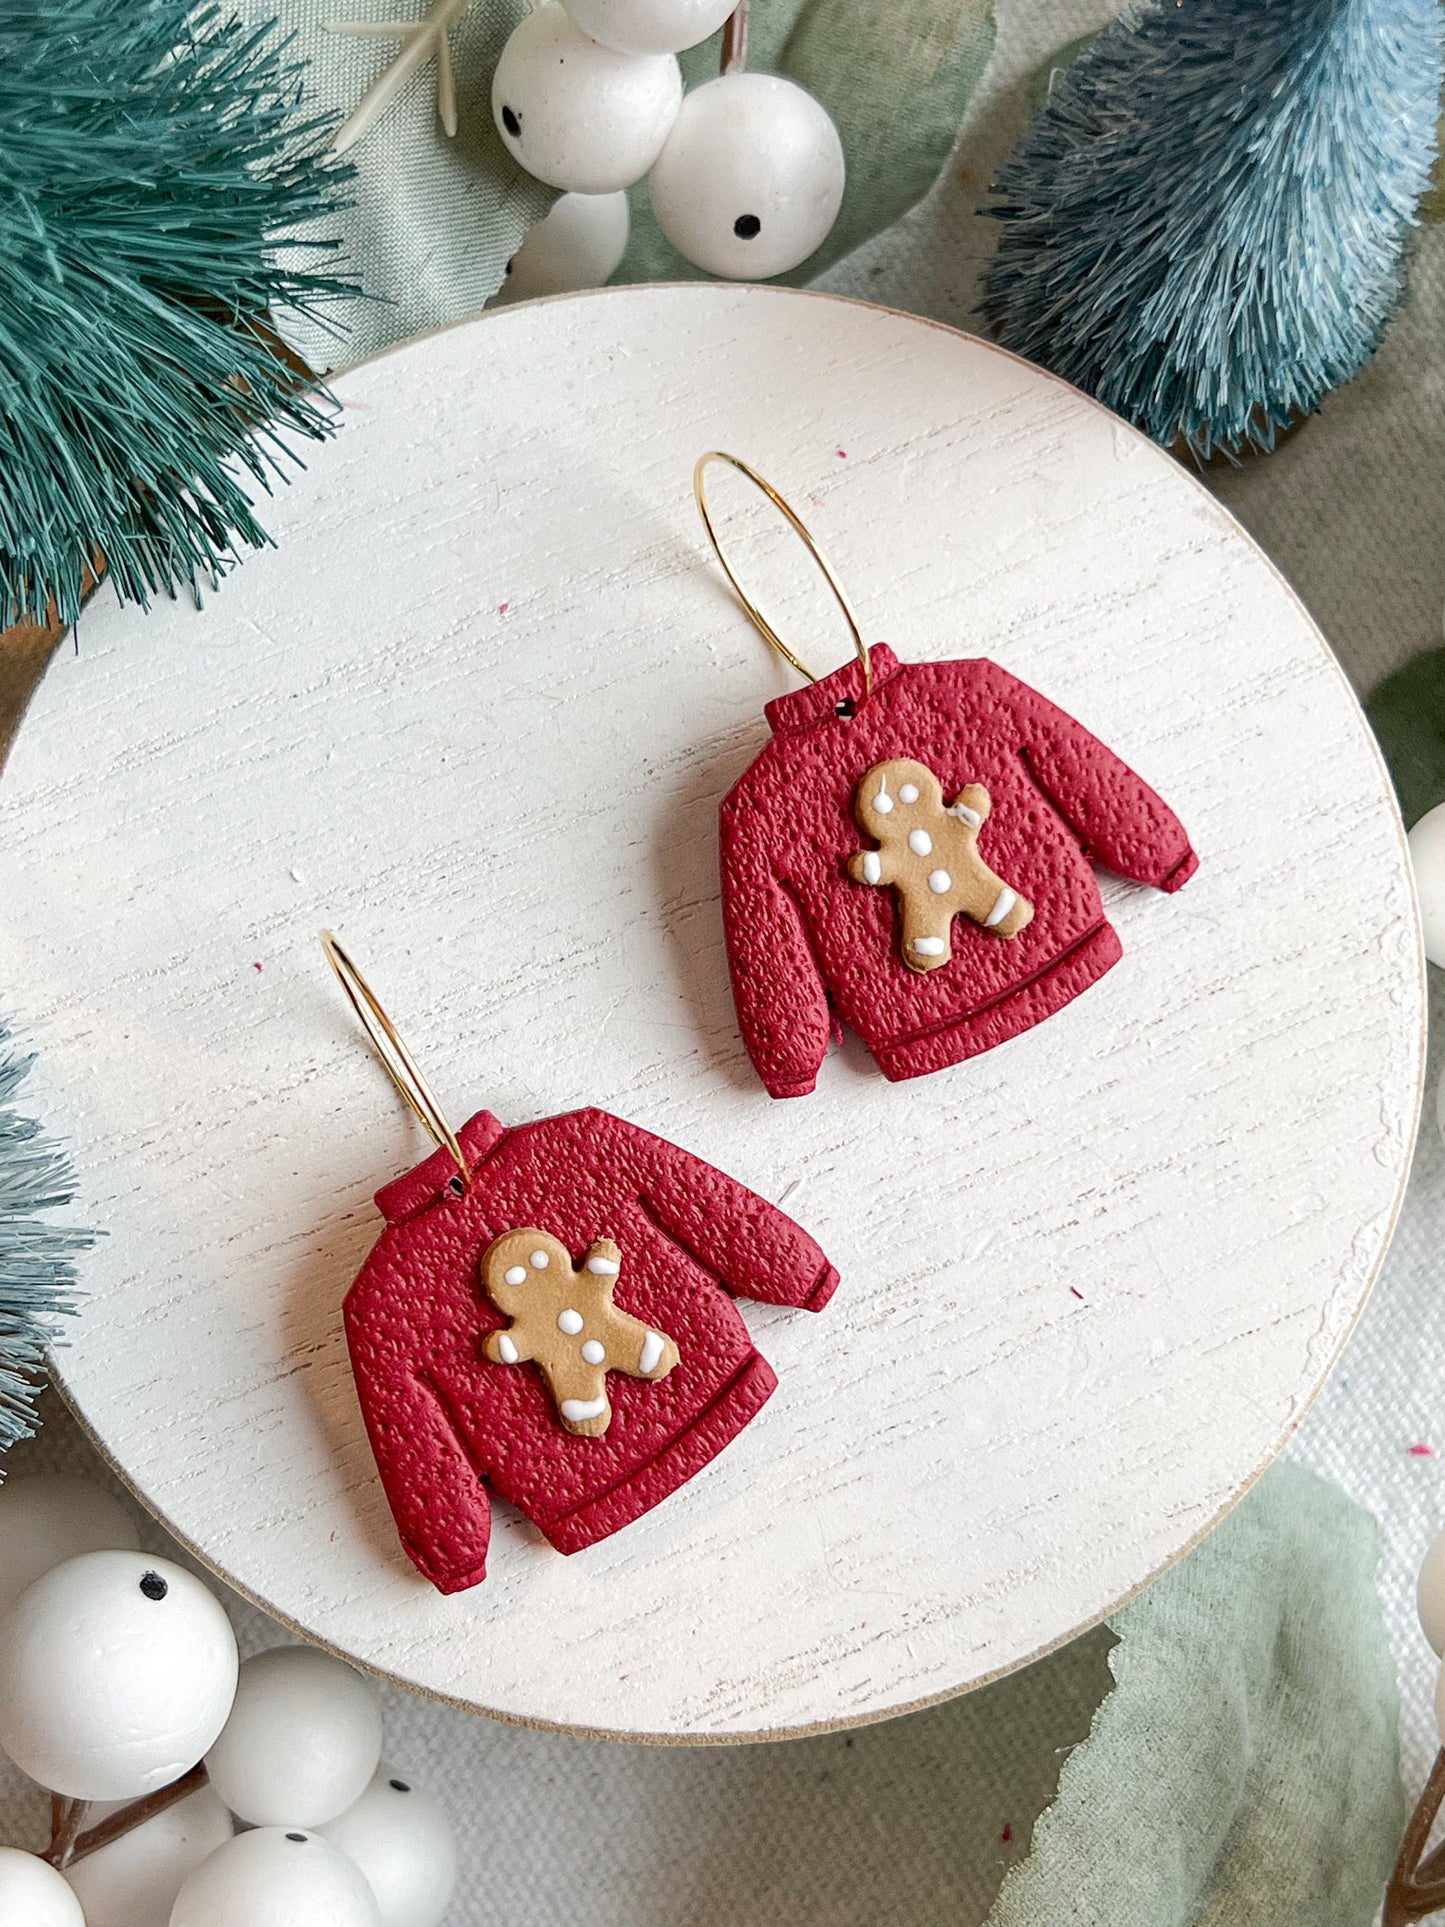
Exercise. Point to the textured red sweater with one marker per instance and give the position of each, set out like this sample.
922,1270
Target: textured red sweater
806,942
442,1418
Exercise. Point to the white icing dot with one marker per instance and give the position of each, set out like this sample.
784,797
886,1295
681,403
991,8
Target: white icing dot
569,1322
604,1267
908,793
883,802
928,946
579,1409
651,1352
593,1352
939,881
515,1274
920,842
872,867
966,815
507,1350
540,1260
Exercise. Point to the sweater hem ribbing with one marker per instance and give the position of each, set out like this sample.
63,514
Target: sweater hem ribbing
716,1426
975,1031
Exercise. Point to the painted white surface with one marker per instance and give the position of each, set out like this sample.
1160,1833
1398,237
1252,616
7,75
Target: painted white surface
510,818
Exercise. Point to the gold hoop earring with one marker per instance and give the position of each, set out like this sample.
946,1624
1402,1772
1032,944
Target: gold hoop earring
805,535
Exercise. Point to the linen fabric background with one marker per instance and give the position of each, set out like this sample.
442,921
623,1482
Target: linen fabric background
1241,1772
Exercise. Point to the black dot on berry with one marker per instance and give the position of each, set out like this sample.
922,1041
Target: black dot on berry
398,1786
300,1838
512,122
153,1586
747,227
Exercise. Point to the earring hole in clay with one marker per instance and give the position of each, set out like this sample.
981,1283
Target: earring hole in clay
456,1187
847,709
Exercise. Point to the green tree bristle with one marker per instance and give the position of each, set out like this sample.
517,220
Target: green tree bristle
160,184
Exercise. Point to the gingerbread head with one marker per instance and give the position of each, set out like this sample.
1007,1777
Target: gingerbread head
928,852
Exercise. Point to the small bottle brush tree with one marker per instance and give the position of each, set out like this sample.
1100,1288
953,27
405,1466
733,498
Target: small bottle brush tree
155,167
37,1272
1205,226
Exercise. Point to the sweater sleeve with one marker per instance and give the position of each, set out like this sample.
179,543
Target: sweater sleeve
1121,822
752,1248
781,999
437,1497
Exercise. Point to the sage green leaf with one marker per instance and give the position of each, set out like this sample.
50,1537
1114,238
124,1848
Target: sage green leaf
1408,713
1244,1772
896,78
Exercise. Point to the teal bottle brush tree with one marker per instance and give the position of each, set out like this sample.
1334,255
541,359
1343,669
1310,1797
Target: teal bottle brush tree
156,166
1205,226
37,1256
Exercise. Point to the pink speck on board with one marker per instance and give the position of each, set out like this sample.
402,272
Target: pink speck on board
256,966
1008,1832
842,454
502,608
1422,1451
1077,1293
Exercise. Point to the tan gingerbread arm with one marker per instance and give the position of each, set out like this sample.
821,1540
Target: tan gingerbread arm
507,1348
972,805
873,866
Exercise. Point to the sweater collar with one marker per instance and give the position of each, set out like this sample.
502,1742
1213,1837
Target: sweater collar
429,1180
802,707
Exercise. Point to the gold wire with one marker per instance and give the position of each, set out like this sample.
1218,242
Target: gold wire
800,529
396,1059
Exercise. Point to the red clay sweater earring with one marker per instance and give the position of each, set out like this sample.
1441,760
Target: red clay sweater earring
547,1312
912,855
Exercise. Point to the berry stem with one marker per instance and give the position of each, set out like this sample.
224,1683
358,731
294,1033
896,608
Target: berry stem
735,41
67,1817
1417,1886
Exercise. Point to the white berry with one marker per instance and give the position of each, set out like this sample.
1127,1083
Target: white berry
45,1521
577,245
406,1847
33,1894
302,1741
650,26
117,1671
1427,856
134,1881
751,178
577,114
1430,1594
276,1877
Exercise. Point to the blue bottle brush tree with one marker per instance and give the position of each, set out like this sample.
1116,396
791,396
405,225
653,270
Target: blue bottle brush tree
155,166
1206,225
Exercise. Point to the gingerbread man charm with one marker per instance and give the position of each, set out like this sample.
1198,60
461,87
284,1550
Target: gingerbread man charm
567,1322
928,852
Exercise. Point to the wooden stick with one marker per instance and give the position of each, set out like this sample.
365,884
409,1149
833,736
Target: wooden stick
67,1817
1416,1887
735,40
129,1818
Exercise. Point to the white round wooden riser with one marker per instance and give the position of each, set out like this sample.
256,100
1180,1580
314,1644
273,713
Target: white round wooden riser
479,707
